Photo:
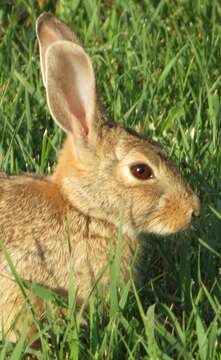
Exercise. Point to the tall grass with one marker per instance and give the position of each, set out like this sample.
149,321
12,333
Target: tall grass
158,69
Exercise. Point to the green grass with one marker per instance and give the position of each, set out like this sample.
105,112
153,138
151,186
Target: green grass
158,66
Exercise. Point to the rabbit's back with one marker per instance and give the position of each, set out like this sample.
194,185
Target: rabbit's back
32,222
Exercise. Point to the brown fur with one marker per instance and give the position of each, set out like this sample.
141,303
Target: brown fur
90,194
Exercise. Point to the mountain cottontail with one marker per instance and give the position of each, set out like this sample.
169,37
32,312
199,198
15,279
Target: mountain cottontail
106,176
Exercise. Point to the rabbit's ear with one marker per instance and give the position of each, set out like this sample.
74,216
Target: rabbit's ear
68,76
49,30
70,87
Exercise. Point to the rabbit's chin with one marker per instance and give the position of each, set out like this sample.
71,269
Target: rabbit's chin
162,230
156,228
165,229
163,226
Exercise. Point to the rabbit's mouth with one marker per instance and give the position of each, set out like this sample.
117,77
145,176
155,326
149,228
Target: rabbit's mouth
172,215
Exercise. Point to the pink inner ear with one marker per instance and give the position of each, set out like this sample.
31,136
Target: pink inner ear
70,86
83,129
74,92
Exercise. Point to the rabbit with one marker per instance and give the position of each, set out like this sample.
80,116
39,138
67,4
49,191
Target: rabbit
106,177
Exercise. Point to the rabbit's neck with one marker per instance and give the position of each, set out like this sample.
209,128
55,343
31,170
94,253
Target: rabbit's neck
94,243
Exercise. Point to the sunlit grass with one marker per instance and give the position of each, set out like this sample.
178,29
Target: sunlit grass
158,69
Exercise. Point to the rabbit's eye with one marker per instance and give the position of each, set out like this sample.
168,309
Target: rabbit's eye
141,171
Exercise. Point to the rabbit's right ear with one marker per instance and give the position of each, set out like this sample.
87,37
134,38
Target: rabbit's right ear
68,77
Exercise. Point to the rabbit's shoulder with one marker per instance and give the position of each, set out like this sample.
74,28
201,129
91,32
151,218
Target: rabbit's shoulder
29,203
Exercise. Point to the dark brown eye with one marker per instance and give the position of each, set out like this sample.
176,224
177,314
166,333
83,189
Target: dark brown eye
141,171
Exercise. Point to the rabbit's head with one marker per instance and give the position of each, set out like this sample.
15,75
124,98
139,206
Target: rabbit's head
105,170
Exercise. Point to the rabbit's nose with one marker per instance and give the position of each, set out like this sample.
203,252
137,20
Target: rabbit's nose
195,206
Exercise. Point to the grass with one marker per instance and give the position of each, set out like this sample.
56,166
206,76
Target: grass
158,69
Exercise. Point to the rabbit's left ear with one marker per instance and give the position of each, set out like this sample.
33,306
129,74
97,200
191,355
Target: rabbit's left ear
68,77
49,30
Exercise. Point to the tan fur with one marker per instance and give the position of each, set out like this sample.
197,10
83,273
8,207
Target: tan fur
91,193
